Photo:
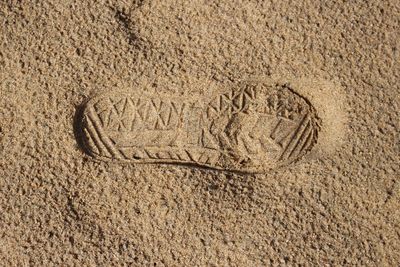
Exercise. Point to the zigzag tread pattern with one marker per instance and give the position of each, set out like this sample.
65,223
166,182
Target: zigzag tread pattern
129,113
209,136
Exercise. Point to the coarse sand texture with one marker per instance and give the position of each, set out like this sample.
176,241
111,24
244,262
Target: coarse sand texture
196,133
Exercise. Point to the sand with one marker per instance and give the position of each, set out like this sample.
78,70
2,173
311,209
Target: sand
335,203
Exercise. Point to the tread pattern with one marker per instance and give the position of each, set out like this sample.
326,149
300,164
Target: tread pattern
243,129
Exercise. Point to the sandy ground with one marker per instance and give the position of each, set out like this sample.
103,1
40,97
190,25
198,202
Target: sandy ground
59,207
